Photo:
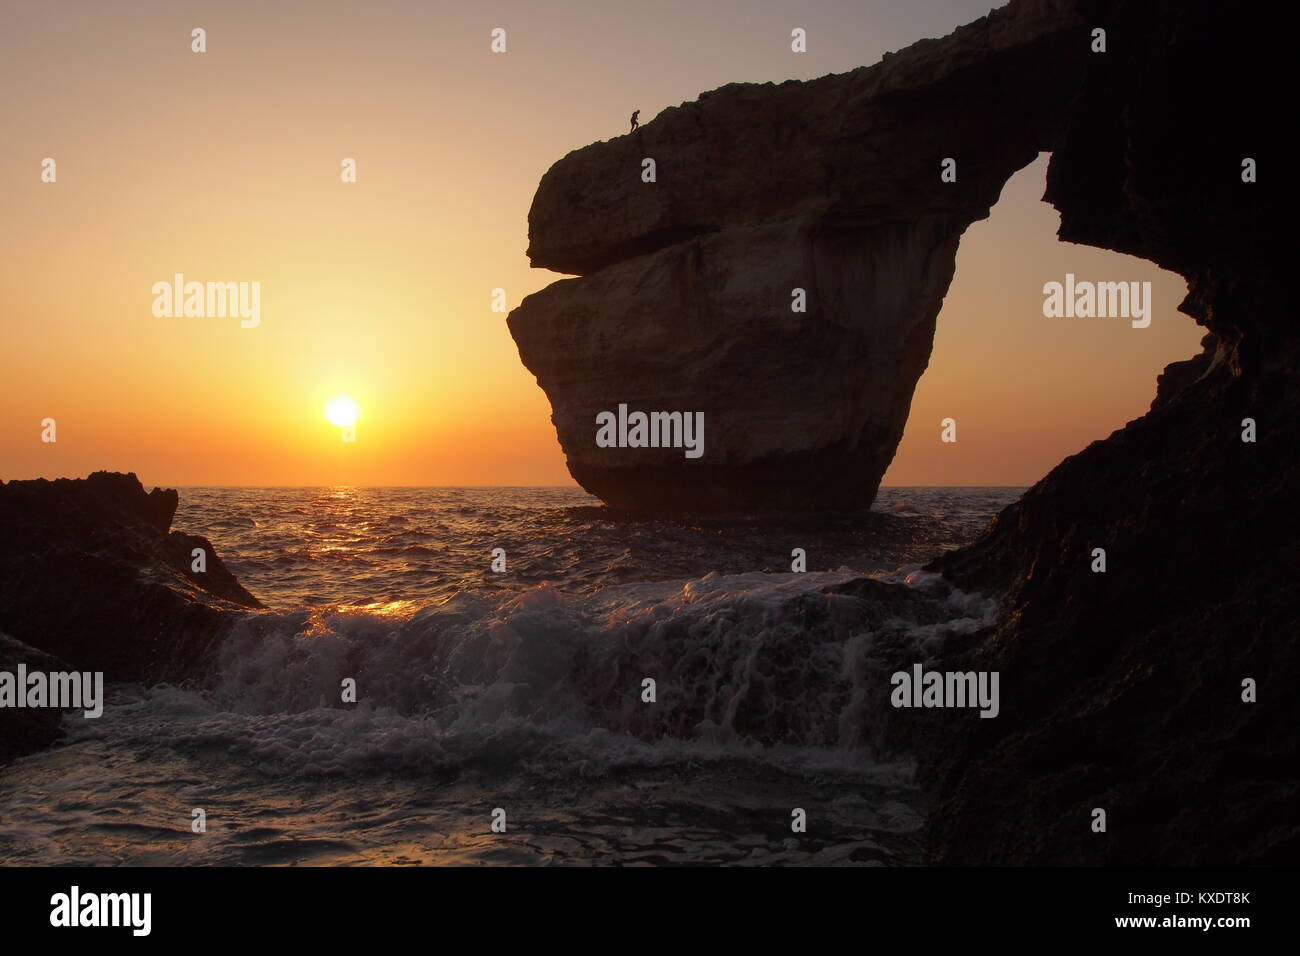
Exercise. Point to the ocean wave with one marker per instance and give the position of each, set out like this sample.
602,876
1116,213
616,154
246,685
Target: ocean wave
744,663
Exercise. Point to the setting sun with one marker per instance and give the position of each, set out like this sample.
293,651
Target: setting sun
342,411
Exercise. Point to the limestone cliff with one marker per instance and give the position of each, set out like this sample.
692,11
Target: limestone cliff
833,187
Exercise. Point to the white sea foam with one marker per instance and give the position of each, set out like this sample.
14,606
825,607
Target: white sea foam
749,661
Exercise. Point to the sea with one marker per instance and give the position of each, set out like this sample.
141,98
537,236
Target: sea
517,676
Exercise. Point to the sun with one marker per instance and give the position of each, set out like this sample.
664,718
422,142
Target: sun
342,411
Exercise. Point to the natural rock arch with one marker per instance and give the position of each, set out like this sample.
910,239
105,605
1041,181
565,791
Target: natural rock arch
835,187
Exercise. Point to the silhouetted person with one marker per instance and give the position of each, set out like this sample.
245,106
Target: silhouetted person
635,124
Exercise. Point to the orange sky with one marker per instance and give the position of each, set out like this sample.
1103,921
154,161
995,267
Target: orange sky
225,166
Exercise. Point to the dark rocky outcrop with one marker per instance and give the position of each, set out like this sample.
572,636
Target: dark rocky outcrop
91,573
1123,690
830,186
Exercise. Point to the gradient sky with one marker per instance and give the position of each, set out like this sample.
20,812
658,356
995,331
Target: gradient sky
225,166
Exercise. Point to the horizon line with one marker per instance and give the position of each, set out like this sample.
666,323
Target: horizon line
165,484
574,487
